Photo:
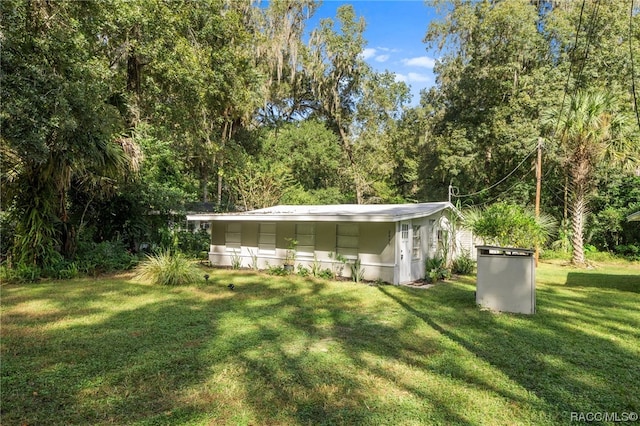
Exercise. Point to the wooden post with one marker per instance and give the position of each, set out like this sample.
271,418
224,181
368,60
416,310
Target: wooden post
538,190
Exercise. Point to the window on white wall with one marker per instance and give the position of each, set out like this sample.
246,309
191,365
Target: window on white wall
267,238
404,228
415,251
347,236
306,238
233,236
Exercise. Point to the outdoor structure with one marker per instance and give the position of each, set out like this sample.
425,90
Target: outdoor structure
391,241
506,279
634,217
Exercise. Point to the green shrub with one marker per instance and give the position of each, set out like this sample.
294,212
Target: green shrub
106,256
509,225
21,273
61,269
436,269
303,271
629,251
166,268
277,270
338,263
326,274
463,264
193,243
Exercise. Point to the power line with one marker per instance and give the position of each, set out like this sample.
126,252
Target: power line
571,60
505,191
633,73
452,188
590,32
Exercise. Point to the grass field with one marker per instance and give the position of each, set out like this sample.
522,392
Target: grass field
300,351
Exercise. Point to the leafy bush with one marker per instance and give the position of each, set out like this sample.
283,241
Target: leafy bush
436,269
166,268
326,274
463,264
303,271
510,225
106,256
338,263
61,269
629,251
277,270
193,243
21,273
7,236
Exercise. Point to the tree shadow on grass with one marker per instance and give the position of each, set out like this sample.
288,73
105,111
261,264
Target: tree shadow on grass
276,351
559,358
630,283
267,353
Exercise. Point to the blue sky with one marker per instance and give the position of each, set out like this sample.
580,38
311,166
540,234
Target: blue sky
394,34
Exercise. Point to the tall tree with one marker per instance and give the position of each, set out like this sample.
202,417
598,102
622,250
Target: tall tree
281,53
359,104
492,81
56,121
591,129
337,69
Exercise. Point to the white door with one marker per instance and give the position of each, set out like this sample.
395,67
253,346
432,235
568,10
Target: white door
404,253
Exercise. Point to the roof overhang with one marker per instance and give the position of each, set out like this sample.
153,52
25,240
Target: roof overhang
332,213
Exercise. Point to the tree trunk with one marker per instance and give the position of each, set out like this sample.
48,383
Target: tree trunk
134,64
577,224
352,163
205,184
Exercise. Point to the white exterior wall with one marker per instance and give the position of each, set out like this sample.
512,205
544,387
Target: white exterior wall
467,242
378,246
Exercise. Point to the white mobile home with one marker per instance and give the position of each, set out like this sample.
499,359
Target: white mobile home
391,240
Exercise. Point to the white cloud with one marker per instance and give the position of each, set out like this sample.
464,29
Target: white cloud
413,77
420,61
417,77
388,49
401,78
381,58
368,53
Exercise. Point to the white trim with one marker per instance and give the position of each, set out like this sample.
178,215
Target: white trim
332,213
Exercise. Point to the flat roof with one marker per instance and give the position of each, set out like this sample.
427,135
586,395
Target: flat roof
331,213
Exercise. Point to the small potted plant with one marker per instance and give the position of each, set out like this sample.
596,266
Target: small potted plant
290,255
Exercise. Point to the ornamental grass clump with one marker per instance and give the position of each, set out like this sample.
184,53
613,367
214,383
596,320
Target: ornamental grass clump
168,268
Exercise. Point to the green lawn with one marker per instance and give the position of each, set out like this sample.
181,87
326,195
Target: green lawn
300,351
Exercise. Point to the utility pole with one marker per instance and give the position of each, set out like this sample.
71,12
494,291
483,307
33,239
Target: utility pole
538,188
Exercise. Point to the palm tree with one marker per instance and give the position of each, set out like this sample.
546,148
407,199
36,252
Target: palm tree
591,130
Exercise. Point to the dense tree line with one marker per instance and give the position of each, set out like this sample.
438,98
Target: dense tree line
117,114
